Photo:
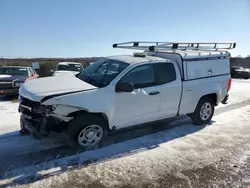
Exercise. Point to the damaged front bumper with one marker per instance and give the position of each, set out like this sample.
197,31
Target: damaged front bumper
38,120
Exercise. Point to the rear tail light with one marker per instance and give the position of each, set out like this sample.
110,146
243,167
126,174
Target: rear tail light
229,84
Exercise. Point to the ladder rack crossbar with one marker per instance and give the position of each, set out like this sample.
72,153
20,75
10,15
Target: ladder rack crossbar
154,46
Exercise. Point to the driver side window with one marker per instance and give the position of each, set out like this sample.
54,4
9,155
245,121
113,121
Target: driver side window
141,76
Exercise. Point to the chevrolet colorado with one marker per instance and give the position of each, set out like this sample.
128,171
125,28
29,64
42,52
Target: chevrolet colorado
126,90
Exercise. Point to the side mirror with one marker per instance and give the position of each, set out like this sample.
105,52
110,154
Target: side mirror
52,70
124,87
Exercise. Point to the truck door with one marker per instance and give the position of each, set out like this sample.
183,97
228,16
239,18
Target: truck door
168,77
141,105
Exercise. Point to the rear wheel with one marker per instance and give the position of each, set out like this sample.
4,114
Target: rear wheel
87,131
204,111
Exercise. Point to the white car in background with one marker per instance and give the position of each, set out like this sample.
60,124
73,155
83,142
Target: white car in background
68,67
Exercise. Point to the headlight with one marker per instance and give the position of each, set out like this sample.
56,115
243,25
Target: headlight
18,84
50,107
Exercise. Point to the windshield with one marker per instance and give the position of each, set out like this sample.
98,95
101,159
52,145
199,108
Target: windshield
13,71
69,67
102,72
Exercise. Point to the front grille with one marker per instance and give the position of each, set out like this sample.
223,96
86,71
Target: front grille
30,108
6,85
27,102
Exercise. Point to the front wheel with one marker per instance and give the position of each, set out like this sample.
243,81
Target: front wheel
87,131
204,111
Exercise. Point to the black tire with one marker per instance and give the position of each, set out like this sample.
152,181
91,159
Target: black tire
198,117
81,122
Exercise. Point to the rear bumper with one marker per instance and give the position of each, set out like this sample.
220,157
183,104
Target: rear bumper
7,92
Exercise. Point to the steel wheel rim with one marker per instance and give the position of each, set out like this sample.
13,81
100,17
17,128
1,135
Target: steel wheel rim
90,136
206,111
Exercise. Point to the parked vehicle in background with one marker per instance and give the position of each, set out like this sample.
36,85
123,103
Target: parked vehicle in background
68,67
12,77
239,72
168,79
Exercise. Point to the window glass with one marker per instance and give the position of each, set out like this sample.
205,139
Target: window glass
69,67
102,72
141,76
30,71
13,71
33,70
165,73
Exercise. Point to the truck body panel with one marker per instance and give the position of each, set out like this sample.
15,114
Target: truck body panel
193,90
156,94
206,68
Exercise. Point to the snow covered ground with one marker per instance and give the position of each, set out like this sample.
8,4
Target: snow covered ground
144,160
239,92
138,160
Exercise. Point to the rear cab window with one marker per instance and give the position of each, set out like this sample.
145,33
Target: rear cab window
165,73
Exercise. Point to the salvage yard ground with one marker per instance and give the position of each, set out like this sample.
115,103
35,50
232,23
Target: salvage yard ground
171,154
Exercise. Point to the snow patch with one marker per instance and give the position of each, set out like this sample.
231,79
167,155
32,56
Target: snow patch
184,147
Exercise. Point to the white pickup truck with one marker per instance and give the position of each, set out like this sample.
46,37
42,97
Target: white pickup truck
68,67
166,80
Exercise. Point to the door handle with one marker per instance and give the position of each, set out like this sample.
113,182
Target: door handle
154,93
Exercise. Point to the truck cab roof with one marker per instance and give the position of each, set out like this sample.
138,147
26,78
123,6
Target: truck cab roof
132,59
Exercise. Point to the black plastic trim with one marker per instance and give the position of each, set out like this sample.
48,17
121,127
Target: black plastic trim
205,59
206,77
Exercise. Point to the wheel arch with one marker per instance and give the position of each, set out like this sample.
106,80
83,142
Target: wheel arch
92,114
213,96
195,116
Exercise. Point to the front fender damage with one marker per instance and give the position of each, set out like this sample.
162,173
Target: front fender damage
64,111
42,119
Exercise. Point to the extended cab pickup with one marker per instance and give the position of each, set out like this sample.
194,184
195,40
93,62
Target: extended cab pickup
126,90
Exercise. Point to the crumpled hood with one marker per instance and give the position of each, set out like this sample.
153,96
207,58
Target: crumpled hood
39,88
